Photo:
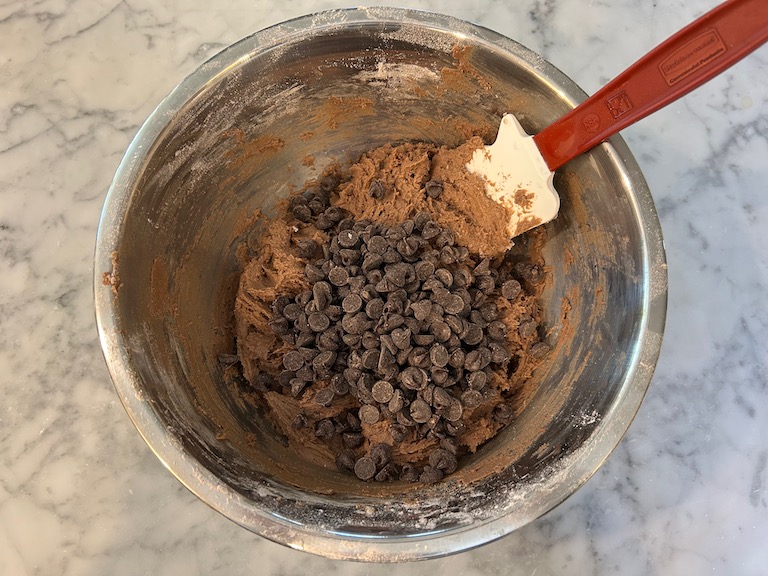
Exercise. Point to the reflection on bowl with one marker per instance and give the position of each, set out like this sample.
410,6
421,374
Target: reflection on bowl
234,138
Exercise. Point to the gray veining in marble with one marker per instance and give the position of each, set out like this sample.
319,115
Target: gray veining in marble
686,492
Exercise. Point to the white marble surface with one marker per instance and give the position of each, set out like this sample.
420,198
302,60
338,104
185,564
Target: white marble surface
685,493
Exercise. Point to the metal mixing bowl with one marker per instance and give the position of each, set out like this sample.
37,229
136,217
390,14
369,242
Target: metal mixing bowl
235,137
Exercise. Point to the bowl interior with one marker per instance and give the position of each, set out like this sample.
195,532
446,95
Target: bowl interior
252,126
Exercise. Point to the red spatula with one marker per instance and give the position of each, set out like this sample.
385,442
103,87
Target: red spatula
518,168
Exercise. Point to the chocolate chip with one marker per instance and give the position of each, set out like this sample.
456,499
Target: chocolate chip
455,428
387,474
444,276
345,461
374,308
439,375
402,356
370,341
408,246
440,330
454,304
462,277
413,378
313,274
335,214
377,245
473,334
477,318
427,393
318,322
352,375
285,377
297,200
263,381
324,360
530,272
430,475
486,284
540,349
348,238
392,322
370,359
401,338
424,269
293,360
376,190
489,312
363,388
527,327
445,238
503,413
423,339
349,256
381,454
431,229
454,411
444,460
351,340
300,421
441,398
471,398
279,325
497,330
421,309
387,367
439,356
351,303
372,262
510,289
355,323
434,188
307,248
292,311
305,374
477,380
338,276
499,353
323,222
478,359
325,429
396,402
382,391
352,439
316,206
409,473
420,411
369,414
365,468
334,312
329,182
324,397
419,358
339,384
302,213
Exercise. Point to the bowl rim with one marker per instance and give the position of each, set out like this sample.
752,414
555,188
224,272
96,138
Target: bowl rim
575,471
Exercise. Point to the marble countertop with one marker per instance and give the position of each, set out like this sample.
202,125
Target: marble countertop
686,491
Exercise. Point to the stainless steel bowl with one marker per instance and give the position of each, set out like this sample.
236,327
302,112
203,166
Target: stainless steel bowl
234,137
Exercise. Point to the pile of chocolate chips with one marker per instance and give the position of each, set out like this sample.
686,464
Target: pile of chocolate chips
403,320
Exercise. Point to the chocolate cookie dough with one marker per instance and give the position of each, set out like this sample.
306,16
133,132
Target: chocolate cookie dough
383,319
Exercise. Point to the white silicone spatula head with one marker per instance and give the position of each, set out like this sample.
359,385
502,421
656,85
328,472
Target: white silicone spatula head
518,168
517,177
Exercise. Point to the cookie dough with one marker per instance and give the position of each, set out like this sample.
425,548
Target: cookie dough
479,224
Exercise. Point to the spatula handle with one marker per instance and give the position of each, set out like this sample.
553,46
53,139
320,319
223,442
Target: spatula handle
694,55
